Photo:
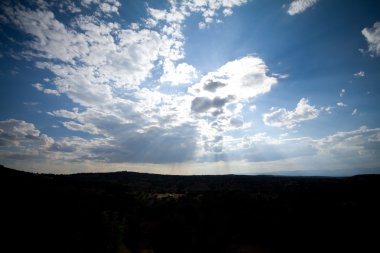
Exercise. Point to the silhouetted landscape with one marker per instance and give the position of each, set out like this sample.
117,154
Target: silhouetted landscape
136,212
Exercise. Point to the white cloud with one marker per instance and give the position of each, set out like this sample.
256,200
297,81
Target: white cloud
103,67
227,12
220,95
328,109
360,74
354,112
341,104
41,88
357,147
244,78
38,86
88,128
18,134
106,6
252,108
202,25
299,6
124,56
372,36
210,9
21,143
342,92
183,73
289,119
352,149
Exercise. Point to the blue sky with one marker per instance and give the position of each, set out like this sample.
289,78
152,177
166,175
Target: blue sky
190,87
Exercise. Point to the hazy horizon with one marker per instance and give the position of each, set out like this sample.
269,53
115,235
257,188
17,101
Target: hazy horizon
190,87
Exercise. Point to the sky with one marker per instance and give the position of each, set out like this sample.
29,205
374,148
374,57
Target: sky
190,87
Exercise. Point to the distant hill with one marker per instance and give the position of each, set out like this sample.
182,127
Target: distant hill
137,212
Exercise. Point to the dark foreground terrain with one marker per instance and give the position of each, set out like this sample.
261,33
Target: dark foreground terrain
132,212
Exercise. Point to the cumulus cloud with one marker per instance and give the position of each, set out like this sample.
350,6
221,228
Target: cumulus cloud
21,135
103,68
220,95
372,35
289,119
131,53
183,73
299,6
243,78
341,104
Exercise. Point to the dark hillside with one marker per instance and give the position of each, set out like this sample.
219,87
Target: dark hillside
133,212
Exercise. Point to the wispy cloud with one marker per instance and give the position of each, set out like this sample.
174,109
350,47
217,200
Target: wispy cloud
41,88
299,6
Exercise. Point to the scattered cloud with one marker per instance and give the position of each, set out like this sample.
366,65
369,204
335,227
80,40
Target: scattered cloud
372,35
289,119
202,25
299,6
41,88
355,112
31,103
105,69
328,109
227,12
210,9
360,74
342,92
341,104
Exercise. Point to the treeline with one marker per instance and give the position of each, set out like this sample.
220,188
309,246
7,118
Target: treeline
132,212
